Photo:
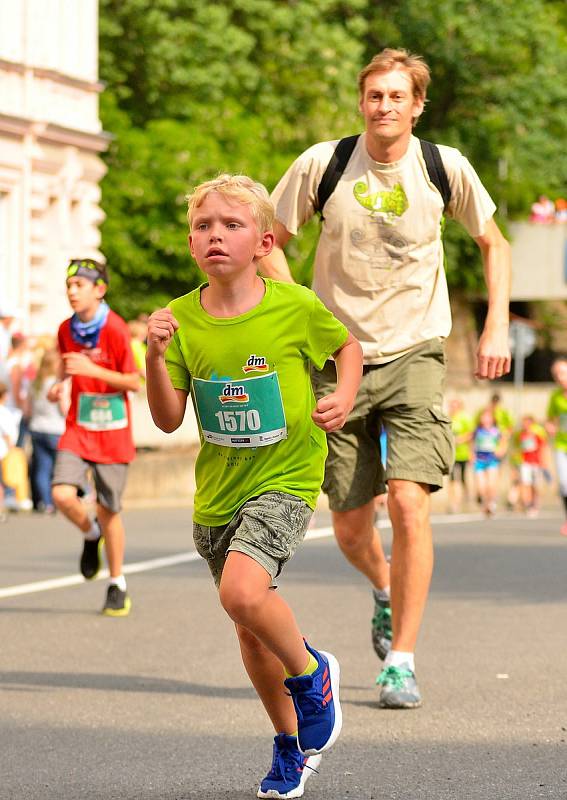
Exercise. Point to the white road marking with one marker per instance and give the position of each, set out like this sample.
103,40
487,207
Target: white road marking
183,558
75,580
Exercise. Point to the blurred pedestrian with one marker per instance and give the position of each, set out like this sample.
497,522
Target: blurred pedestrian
557,427
462,426
21,370
487,442
138,334
8,436
532,444
47,423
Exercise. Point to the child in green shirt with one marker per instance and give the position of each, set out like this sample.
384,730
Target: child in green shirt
242,346
557,427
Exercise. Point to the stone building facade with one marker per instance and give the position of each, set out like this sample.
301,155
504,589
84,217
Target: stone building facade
50,144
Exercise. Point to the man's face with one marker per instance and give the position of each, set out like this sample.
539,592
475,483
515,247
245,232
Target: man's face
225,239
388,104
84,295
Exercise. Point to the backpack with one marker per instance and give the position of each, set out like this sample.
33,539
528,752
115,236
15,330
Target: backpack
343,152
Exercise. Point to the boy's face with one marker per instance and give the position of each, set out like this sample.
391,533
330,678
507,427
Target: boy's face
487,418
559,372
84,295
225,240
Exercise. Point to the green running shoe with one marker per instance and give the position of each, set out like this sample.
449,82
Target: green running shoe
381,627
399,688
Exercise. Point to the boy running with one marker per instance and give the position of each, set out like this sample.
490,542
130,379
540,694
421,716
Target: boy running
96,354
242,346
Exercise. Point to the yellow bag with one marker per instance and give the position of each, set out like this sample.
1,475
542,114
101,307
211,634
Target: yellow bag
15,472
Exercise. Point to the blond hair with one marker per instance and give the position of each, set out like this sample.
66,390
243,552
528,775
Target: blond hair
48,366
240,188
390,59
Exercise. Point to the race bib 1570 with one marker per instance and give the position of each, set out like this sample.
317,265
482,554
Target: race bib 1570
241,413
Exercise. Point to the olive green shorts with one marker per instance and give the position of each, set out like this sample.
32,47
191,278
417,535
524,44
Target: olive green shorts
404,396
268,528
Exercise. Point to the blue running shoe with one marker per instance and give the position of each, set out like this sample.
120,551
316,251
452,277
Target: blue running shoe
290,769
316,701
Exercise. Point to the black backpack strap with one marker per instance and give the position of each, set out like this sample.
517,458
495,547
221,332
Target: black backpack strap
436,170
335,169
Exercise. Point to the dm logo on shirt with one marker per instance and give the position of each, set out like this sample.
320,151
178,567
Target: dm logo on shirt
256,364
232,393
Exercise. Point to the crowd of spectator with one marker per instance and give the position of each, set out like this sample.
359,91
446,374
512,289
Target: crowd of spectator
545,211
496,448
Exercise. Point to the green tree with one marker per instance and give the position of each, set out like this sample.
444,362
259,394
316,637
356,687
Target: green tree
195,89
498,93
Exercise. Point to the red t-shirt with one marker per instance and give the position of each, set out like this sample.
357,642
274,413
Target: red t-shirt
98,427
531,446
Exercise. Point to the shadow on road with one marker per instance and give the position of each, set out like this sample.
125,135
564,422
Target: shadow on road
121,683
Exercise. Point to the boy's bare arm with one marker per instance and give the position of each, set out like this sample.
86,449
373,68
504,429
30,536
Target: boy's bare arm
332,410
81,364
167,404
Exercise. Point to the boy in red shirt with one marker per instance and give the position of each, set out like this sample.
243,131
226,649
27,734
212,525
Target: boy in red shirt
532,442
97,356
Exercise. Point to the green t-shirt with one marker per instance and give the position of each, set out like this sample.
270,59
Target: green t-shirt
462,423
249,380
557,410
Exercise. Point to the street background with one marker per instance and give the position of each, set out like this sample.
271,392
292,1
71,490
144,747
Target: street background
157,705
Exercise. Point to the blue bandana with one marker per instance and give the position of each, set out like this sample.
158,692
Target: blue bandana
87,333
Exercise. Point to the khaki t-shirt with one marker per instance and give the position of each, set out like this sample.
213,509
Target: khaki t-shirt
379,262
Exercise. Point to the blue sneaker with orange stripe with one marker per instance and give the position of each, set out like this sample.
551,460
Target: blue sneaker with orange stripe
316,701
290,769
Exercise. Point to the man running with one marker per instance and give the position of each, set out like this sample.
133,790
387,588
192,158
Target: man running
379,269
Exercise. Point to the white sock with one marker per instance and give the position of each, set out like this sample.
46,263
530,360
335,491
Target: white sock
397,658
382,594
93,532
119,581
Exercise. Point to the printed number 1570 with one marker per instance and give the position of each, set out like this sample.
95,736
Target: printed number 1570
233,421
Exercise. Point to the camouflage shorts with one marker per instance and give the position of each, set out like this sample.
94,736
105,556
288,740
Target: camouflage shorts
268,528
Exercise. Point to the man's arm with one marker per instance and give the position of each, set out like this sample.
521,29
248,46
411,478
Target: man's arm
493,353
275,265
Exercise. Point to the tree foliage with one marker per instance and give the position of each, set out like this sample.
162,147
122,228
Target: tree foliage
194,89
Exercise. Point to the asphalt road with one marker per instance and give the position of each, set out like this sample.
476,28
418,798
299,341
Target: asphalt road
157,706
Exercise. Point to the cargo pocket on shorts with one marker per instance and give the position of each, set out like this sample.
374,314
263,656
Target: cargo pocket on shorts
443,439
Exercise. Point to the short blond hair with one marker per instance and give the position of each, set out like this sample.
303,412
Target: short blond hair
240,188
390,59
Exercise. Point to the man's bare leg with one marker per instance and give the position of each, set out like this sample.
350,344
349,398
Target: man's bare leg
412,560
